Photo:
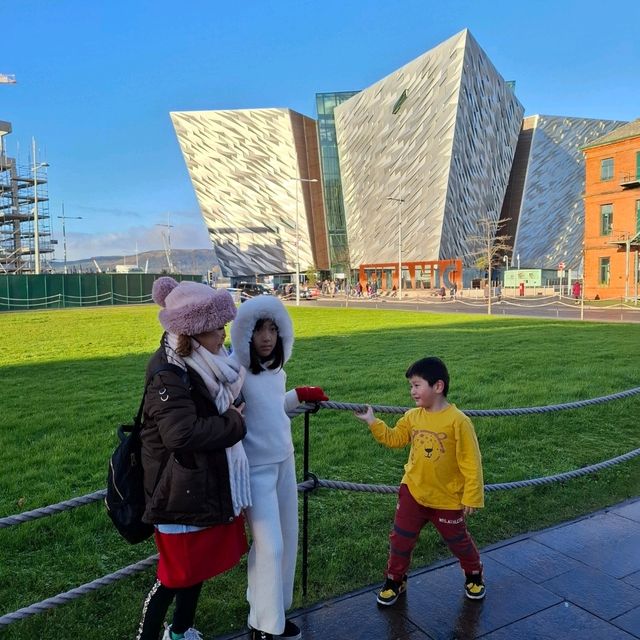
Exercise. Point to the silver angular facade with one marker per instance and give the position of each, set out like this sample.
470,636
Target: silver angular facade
424,155
247,168
550,212
438,134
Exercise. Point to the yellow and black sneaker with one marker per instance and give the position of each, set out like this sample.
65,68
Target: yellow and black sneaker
474,586
391,591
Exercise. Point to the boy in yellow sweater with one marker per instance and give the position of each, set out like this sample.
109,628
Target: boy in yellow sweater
442,481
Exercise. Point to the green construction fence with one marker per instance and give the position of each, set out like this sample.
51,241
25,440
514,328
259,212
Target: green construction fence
58,290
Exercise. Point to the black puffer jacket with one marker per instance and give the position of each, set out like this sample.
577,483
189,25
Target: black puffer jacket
186,476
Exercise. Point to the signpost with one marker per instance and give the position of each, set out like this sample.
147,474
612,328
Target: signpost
561,267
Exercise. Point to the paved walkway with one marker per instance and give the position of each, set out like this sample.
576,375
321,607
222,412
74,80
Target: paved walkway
530,308
577,581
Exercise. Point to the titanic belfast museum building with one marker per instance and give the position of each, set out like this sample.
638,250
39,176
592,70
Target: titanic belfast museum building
408,171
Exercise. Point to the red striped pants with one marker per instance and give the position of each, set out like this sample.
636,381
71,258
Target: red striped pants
411,517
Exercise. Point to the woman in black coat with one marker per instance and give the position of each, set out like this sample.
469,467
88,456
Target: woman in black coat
195,471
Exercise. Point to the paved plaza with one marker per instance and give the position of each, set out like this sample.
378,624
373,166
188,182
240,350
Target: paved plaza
576,581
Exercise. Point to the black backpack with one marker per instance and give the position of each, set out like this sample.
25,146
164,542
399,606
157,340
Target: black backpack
125,499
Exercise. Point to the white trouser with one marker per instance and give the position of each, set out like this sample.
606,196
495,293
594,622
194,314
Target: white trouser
273,520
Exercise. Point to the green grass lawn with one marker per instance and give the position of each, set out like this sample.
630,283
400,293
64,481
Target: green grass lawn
70,377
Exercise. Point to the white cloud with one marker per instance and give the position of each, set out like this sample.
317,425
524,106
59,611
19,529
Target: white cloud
184,235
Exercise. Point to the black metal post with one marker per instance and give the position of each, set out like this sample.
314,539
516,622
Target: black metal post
305,507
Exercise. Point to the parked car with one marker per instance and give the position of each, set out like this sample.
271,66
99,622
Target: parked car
284,290
313,292
287,291
251,289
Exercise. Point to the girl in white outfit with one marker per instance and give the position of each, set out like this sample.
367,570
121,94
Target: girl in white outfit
262,341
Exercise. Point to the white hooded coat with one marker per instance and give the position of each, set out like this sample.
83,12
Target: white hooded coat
268,438
273,517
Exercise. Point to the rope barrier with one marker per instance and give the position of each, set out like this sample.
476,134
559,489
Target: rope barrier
520,411
310,407
142,298
55,296
88,299
31,303
308,485
567,475
71,299
479,302
68,596
52,509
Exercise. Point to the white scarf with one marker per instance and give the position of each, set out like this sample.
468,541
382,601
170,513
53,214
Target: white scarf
223,377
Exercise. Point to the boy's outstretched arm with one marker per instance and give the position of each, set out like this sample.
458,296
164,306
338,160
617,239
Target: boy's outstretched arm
395,438
366,416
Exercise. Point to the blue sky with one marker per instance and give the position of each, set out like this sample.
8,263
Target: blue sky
96,81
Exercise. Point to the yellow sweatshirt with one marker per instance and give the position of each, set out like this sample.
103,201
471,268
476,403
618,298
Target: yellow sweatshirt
444,470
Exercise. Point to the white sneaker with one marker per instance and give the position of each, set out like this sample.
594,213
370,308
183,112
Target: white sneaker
189,634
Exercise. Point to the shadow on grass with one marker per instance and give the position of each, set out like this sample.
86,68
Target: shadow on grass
59,420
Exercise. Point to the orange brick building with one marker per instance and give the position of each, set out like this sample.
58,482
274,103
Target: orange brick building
612,214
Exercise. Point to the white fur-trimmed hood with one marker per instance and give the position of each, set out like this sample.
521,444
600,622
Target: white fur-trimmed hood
252,310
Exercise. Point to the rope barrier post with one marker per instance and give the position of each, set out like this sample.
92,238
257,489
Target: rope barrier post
305,508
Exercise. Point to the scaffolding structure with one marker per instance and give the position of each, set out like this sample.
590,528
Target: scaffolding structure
24,240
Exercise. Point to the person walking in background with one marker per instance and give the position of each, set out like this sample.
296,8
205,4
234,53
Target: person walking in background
576,290
442,483
262,341
195,470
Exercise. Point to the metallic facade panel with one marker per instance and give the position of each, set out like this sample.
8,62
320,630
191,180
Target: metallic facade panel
445,153
550,226
243,165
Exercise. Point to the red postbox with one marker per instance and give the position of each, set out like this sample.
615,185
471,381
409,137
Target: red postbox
522,288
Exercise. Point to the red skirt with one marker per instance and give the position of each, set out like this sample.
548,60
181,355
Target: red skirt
189,558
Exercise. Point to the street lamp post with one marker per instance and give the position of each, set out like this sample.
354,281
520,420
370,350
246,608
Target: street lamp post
36,230
297,180
400,201
64,234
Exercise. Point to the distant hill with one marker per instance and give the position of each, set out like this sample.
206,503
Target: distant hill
191,261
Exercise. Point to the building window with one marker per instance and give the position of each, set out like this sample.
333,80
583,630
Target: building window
604,271
606,169
399,102
606,219
638,165
637,216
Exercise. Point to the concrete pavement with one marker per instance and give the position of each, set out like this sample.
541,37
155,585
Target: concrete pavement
579,580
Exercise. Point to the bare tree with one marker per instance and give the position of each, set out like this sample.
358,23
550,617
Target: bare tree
489,246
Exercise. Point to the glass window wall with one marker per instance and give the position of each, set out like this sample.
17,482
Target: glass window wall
334,203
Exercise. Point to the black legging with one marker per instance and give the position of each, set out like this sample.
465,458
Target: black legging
157,604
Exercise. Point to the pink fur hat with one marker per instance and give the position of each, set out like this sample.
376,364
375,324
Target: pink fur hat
191,308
